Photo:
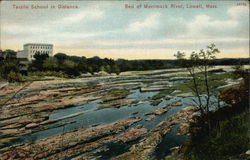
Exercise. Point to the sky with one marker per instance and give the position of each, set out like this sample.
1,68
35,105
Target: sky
109,29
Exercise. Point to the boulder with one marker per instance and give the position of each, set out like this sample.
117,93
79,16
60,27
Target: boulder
158,111
150,118
175,103
31,125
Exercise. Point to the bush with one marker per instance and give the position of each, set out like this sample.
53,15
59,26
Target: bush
49,73
14,77
230,138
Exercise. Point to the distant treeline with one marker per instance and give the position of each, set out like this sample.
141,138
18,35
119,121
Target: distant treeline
75,65
173,63
231,61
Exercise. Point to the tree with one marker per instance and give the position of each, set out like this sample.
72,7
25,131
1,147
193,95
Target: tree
107,69
37,64
9,66
197,65
82,66
69,67
90,69
51,63
14,77
206,58
69,64
115,69
9,54
61,56
191,66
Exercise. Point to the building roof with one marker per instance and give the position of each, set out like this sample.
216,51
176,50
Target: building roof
38,44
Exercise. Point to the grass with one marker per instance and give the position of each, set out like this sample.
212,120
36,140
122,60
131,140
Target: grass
114,97
111,103
156,99
174,156
163,94
229,138
117,92
156,102
214,80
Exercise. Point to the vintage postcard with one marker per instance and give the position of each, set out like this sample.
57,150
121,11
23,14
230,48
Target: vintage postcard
124,80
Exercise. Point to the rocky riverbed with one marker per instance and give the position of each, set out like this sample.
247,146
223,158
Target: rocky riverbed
111,117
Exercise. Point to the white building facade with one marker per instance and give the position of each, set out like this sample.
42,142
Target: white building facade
30,49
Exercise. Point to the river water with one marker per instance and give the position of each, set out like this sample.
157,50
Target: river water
93,116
